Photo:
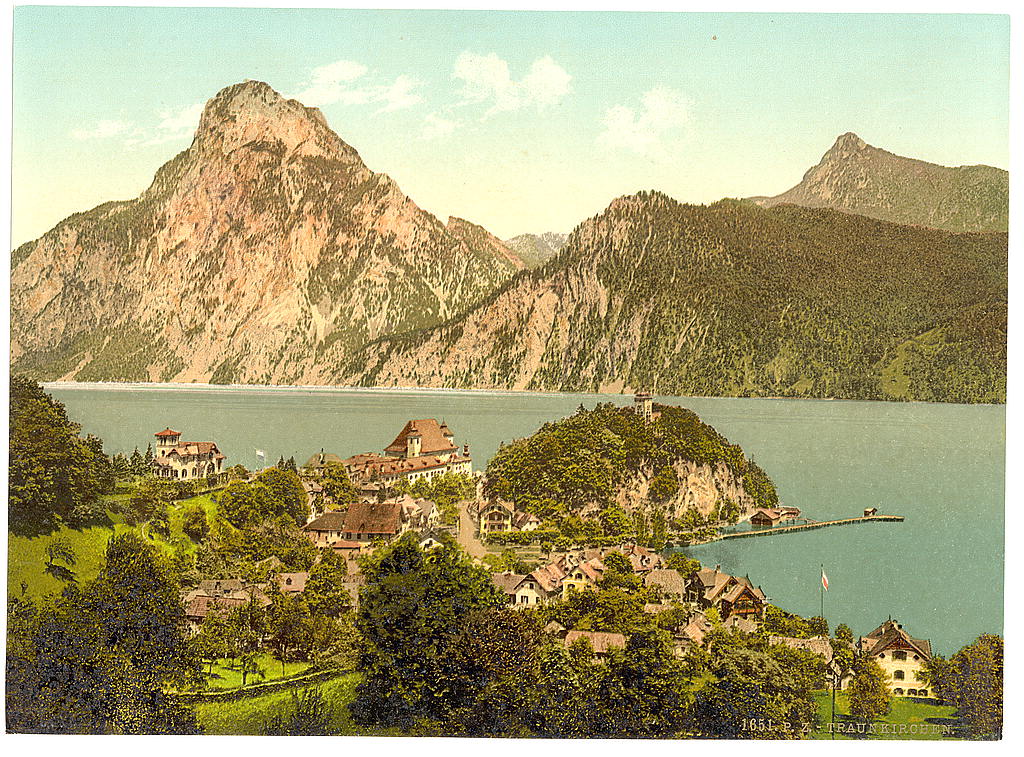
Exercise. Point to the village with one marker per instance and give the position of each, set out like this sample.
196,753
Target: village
686,599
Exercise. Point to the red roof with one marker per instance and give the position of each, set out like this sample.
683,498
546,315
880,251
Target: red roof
167,432
432,438
373,518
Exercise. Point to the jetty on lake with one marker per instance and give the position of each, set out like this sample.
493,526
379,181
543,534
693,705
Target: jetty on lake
809,524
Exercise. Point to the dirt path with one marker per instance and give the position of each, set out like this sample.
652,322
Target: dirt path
467,533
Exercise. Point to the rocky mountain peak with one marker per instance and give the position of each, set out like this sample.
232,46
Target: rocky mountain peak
849,141
253,113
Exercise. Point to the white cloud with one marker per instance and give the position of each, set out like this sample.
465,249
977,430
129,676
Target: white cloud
332,83
342,82
399,94
662,114
435,127
486,78
104,129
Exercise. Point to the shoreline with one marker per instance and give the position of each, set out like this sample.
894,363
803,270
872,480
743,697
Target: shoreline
116,386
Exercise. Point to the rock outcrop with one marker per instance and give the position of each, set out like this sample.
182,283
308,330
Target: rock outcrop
264,253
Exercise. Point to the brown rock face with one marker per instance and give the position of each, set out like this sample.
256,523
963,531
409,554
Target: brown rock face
264,253
855,177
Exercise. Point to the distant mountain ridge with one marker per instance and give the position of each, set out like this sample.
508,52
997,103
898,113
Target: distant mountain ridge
857,178
537,249
264,253
730,300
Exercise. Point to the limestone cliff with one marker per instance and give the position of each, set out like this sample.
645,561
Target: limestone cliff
264,253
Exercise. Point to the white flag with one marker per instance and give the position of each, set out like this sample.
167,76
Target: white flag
261,453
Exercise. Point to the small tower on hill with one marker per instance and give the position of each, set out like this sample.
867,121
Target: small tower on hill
643,403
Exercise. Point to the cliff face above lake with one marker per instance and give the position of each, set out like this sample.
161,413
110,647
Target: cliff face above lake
731,300
855,177
264,253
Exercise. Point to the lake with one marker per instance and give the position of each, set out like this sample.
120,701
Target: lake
940,573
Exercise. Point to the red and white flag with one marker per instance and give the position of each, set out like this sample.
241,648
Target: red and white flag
824,579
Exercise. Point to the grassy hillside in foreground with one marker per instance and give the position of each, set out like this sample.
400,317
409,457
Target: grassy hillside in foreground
249,715
907,712
26,556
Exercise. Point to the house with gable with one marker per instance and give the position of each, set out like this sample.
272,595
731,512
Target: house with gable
901,656
730,595
177,460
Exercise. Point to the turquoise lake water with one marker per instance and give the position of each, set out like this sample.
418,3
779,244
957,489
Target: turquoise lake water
940,572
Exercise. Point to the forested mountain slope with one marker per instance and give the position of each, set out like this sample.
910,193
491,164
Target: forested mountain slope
730,299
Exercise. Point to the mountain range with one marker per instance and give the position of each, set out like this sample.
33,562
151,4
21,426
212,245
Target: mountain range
857,178
267,252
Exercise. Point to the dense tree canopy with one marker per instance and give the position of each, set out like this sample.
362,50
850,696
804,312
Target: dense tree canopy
583,459
972,681
100,659
55,476
412,610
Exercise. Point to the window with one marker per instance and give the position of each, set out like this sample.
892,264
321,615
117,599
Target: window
922,693
899,655
881,656
898,675
898,692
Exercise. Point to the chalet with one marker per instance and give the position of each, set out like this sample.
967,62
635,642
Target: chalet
539,587
495,515
600,641
366,521
327,529
508,582
419,513
525,521
584,576
178,460
729,594
901,656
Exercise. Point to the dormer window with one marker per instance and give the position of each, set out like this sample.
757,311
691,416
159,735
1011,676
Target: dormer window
899,655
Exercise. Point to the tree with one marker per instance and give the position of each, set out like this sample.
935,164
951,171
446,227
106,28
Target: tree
59,549
337,486
54,476
307,715
685,566
286,490
619,573
211,641
412,609
325,593
286,623
664,485
194,522
744,677
102,657
149,501
842,650
972,681
869,690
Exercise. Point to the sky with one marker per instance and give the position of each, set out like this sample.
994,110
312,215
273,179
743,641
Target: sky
522,122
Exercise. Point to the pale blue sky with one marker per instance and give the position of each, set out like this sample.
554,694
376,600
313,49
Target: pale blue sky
518,121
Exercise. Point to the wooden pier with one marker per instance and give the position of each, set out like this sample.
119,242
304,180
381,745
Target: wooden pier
808,526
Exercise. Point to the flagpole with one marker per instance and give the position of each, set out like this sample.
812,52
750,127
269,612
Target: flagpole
821,589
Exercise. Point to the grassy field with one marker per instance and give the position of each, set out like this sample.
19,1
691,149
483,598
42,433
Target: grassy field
225,677
249,716
26,556
908,719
